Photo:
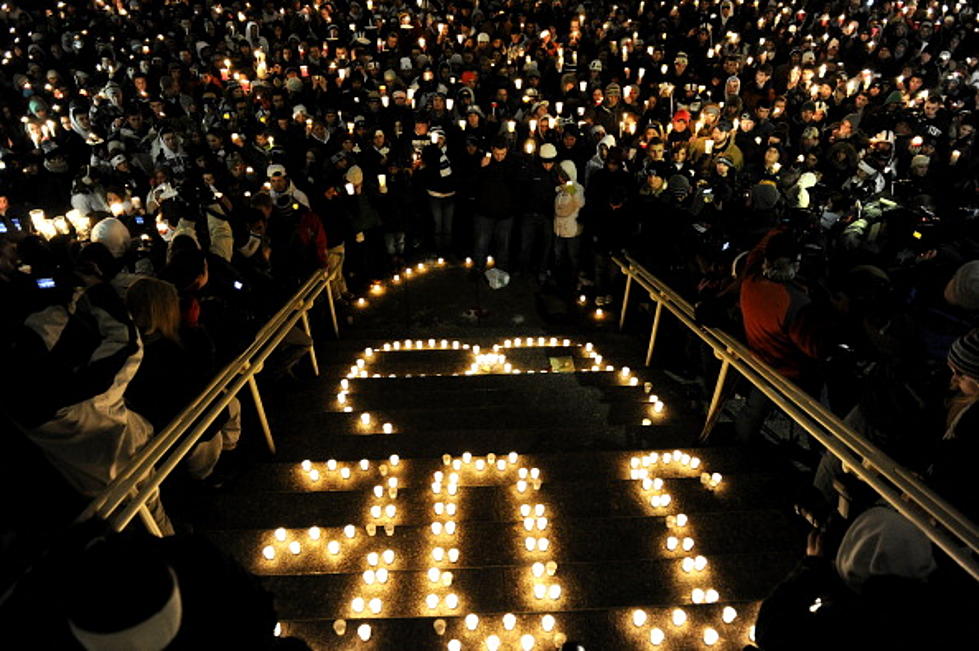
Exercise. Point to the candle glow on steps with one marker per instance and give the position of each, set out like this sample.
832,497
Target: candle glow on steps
651,471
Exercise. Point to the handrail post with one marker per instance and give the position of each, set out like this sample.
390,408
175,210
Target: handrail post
260,408
333,308
625,298
147,519
654,330
715,400
312,344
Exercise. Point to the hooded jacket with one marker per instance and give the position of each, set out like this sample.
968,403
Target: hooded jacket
72,363
597,161
568,203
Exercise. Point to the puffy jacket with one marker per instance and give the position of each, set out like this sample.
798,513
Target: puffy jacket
70,367
568,203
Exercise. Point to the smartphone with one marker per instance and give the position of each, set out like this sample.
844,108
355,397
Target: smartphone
725,246
16,223
139,220
45,283
3,227
238,285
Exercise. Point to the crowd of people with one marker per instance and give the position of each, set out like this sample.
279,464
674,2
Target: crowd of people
806,172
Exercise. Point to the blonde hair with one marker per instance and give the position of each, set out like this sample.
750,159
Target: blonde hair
155,307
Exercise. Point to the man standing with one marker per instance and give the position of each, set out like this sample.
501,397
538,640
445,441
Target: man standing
441,189
780,324
537,229
496,185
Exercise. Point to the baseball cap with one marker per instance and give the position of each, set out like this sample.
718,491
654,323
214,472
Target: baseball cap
275,170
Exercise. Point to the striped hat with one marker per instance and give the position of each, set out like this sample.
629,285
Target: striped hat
964,354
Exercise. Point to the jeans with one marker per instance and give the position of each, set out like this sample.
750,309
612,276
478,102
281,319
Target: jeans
536,241
495,232
566,251
394,243
758,406
443,210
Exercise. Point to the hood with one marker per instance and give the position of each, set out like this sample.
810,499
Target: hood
569,169
608,141
881,542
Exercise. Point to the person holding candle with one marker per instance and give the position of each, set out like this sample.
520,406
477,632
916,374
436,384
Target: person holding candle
568,203
536,223
497,185
440,185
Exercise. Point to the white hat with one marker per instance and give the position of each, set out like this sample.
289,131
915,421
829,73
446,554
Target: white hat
548,151
275,170
595,65
882,542
483,38
117,160
355,175
113,234
405,63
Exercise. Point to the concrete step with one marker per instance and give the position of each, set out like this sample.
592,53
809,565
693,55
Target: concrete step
489,544
499,589
599,629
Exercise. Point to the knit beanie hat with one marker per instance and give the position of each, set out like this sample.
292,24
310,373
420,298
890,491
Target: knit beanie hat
963,288
764,196
964,354
882,542
123,598
678,184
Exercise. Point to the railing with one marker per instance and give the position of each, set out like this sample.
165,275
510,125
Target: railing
942,523
127,494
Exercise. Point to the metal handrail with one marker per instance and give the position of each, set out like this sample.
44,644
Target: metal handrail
137,481
945,525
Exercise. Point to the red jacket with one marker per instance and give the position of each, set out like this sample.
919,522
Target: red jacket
779,320
312,235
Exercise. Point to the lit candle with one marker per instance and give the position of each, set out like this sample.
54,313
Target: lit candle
729,614
364,632
656,636
268,552
710,636
638,617
679,617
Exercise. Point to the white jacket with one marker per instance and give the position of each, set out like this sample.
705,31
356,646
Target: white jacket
568,203
87,431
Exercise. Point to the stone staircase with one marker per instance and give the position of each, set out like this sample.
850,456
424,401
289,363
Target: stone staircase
509,507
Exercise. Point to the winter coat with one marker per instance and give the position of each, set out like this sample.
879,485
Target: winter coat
597,161
69,368
568,203
779,321
497,189
540,185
